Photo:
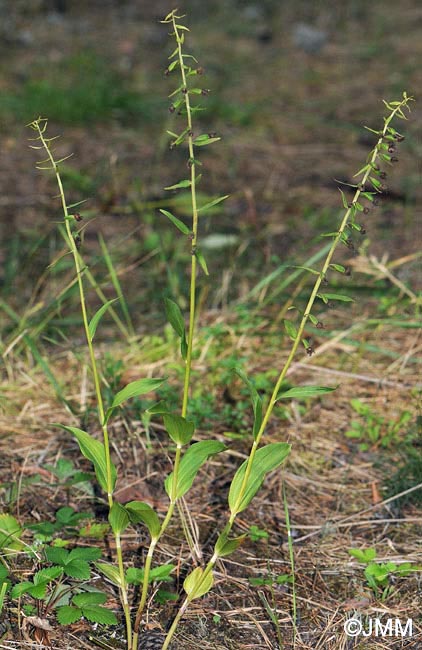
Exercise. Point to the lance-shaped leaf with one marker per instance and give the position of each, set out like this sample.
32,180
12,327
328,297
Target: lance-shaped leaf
179,224
175,318
134,389
118,518
204,139
266,459
139,511
211,204
193,459
303,392
256,401
92,327
335,296
338,267
94,451
202,261
196,585
184,183
179,429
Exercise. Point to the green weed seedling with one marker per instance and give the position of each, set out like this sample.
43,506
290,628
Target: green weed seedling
374,428
379,574
61,586
187,455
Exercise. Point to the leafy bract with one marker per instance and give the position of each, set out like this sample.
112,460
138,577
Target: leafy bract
190,464
211,204
179,224
303,392
290,329
92,327
266,459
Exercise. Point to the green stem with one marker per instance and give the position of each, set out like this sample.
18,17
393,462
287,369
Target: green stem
273,399
191,329
194,236
79,267
308,309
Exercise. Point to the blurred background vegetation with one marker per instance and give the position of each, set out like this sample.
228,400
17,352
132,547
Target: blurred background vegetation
291,86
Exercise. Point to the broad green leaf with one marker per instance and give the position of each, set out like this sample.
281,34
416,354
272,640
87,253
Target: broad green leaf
157,574
192,460
56,555
89,598
179,429
21,588
10,532
158,408
92,327
290,329
95,531
86,553
195,585
134,389
303,392
266,459
47,575
211,204
256,400
98,614
139,511
179,224
118,518
110,571
38,591
185,183
94,451
363,555
78,569
66,614
225,546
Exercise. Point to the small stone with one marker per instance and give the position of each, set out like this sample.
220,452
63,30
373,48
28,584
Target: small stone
310,39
